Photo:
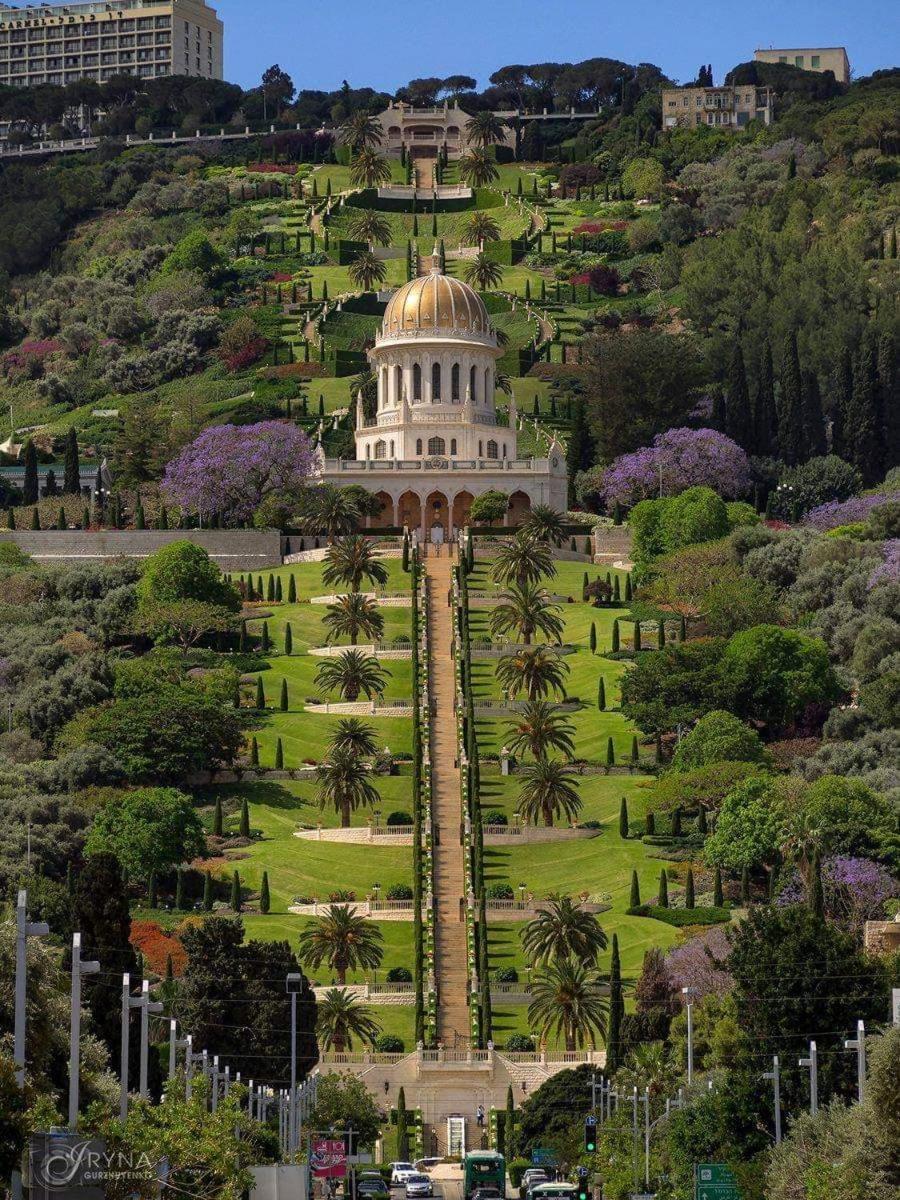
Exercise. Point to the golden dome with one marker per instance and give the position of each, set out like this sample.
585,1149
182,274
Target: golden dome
435,303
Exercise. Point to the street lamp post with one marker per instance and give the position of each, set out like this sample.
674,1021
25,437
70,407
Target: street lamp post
24,930
687,992
293,986
859,1045
775,1076
147,1007
79,970
812,1061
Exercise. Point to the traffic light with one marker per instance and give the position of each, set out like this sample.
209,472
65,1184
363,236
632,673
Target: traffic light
590,1134
583,1175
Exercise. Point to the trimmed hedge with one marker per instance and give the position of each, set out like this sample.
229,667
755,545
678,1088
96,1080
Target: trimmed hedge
506,252
680,917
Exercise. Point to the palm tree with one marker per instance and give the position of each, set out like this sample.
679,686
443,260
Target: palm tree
341,1018
331,510
485,129
535,671
527,610
521,560
547,792
570,1000
502,381
369,168
350,674
341,940
480,228
477,168
343,781
350,560
359,131
649,1065
540,727
370,226
544,524
563,929
354,735
483,273
366,270
352,615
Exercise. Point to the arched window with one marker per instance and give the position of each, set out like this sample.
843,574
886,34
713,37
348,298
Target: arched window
418,445
481,449
454,383
381,448
453,445
473,382
368,451
487,384
436,445
383,396
492,449
435,382
392,449
417,382
504,450
398,384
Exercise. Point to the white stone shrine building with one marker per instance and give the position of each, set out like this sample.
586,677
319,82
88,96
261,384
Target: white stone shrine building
436,441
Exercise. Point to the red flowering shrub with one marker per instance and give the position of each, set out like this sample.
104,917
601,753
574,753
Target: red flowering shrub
242,344
245,357
600,226
281,277
264,168
604,280
27,361
156,945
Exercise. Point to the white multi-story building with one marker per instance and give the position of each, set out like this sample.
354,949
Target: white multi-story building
436,442
63,43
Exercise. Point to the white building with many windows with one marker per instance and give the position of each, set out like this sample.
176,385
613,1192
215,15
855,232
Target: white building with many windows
436,441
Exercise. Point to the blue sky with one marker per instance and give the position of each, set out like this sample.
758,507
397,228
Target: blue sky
384,43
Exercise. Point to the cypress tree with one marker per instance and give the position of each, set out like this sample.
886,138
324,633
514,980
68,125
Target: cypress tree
71,473
637,636
745,886
676,823
790,413
718,897
139,519
170,969
265,902
615,636
218,822
85,519
207,892
629,593
865,429
660,635
278,592
816,894
813,420
593,638
584,586
635,898
616,591
663,899
30,486
242,640
702,821
601,695
623,819
35,519
270,589
265,644
10,519
179,890
288,639
70,879
236,893
635,752
260,693
244,828
764,413
616,1010
254,752
841,434
283,701
163,518
610,753
151,891
509,1121
292,590
689,899
279,756
580,449
888,396
738,417
650,824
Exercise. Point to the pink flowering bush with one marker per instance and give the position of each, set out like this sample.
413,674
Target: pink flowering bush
28,360
230,470
683,458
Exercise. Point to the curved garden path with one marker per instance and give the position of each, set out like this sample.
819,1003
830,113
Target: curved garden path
450,958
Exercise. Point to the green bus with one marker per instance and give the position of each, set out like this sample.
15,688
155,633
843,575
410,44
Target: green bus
483,1168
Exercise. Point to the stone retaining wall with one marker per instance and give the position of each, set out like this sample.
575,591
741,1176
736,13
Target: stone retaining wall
230,550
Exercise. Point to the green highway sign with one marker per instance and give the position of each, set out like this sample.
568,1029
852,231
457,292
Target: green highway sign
715,1181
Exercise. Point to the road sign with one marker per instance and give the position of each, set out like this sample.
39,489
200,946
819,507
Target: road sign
543,1156
715,1181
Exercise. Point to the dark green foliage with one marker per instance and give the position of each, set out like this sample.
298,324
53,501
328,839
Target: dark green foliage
179,891
635,751
614,1049
689,900
260,693
279,756
254,752
676,823
593,638
217,818
623,818
265,902
152,891
265,644
663,896
745,886
244,828
635,898
610,752
815,892
30,483
207,892
790,406
236,892
283,700
637,636
35,519
718,898
738,416
615,636
292,590
702,823
288,638
601,695
650,823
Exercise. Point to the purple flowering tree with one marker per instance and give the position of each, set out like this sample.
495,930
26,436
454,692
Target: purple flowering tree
678,459
699,963
846,512
230,470
889,570
855,890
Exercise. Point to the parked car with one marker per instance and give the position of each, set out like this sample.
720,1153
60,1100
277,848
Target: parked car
418,1185
529,1178
372,1187
400,1172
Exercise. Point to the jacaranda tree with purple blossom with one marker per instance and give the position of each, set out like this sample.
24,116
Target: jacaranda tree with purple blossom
846,512
678,459
229,470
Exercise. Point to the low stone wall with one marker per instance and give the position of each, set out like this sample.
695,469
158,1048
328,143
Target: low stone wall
387,599
230,550
362,708
385,652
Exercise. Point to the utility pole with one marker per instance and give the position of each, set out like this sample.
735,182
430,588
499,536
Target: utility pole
687,992
79,970
24,930
147,1006
646,1139
859,1045
812,1061
634,1136
293,986
775,1076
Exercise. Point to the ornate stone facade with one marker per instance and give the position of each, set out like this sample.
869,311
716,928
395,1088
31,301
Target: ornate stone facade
436,441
